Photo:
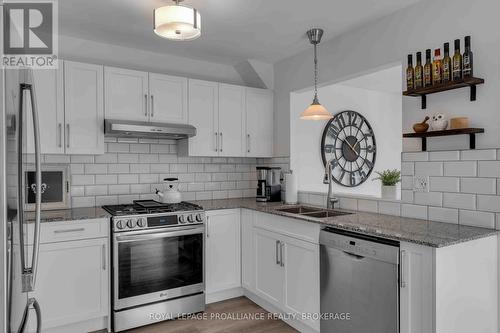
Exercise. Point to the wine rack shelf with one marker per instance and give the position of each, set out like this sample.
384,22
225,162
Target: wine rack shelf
459,131
423,92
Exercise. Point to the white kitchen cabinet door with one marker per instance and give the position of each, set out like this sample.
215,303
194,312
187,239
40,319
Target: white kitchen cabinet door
231,120
247,252
203,109
168,99
259,122
301,273
416,288
126,94
223,266
84,111
48,85
72,281
269,274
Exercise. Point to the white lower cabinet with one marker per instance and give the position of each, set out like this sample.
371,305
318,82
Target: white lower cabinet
223,259
247,262
287,274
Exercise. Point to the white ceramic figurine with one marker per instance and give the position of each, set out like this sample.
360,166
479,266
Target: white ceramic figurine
439,122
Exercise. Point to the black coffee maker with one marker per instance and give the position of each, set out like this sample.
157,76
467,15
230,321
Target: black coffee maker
268,184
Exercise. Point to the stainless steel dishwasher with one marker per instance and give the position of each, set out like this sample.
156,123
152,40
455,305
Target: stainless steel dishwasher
359,283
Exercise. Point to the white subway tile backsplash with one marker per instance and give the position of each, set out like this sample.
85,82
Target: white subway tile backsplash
444,155
420,156
61,159
368,206
448,215
407,168
106,179
489,169
148,158
139,148
489,203
77,169
478,155
82,159
168,158
219,194
118,189
94,190
227,185
460,169
478,185
389,208
82,180
204,195
118,168
444,184
140,168
428,168
477,218
77,202
107,158
106,200
128,158
202,177
407,196
347,203
161,168
195,167
414,211
128,179
193,187
178,168
317,199
77,191
93,169
407,182
457,200
140,188
118,147
164,149
428,198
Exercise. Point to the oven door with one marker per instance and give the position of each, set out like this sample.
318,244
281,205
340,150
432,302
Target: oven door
151,266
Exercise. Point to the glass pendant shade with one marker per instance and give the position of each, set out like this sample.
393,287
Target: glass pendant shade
315,111
177,22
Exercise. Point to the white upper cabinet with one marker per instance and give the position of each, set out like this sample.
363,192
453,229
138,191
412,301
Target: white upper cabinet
50,105
259,122
126,94
168,98
84,110
204,115
231,116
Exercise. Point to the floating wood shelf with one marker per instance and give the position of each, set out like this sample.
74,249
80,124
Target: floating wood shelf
459,131
423,92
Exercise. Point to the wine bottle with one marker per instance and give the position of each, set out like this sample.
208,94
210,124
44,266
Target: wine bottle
457,62
428,69
419,72
467,60
410,82
437,67
446,63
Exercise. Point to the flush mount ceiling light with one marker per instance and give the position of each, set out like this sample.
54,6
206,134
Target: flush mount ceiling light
177,22
315,111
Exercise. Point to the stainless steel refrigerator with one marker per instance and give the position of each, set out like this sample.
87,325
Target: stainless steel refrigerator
19,130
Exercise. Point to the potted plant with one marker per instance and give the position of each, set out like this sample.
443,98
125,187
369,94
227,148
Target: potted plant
389,179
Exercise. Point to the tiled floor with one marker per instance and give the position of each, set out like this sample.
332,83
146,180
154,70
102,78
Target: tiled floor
233,307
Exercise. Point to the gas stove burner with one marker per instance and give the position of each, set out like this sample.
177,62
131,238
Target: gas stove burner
149,207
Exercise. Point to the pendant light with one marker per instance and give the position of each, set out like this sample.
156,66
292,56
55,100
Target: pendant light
177,22
315,111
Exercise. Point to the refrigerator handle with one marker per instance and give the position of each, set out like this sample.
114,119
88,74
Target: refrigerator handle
29,273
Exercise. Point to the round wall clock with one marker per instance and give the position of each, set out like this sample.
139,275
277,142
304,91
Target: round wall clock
349,143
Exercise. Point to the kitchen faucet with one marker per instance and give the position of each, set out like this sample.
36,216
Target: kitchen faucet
328,179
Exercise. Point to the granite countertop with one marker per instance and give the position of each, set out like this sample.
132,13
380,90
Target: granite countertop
72,214
428,233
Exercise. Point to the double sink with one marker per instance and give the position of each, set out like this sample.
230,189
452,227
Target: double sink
315,212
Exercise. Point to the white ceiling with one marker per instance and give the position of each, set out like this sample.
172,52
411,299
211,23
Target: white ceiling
232,30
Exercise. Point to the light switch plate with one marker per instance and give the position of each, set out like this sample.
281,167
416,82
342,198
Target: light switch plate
421,183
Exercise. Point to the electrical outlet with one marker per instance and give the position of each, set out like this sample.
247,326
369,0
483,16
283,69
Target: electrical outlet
421,183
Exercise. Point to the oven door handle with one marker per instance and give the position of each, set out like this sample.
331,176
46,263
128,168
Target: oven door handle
155,235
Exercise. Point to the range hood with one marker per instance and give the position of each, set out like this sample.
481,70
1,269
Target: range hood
142,129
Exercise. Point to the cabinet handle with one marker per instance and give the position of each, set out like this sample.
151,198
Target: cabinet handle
402,268
67,135
277,250
208,226
68,230
60,135
282,262
152,106
248,142
146,105
103,257
221,141
216,142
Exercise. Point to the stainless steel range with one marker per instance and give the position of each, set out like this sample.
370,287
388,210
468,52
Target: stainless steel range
158,262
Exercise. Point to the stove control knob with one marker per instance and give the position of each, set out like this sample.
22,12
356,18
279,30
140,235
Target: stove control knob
141,222
119,224
199,217
190,218
182,219
131,223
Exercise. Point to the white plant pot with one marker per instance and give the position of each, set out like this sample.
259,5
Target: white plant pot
389,192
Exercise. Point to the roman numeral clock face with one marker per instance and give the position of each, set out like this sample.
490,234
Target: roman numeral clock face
349,143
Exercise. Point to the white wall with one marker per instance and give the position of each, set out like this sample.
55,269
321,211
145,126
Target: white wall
381,109
425,25
100,53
